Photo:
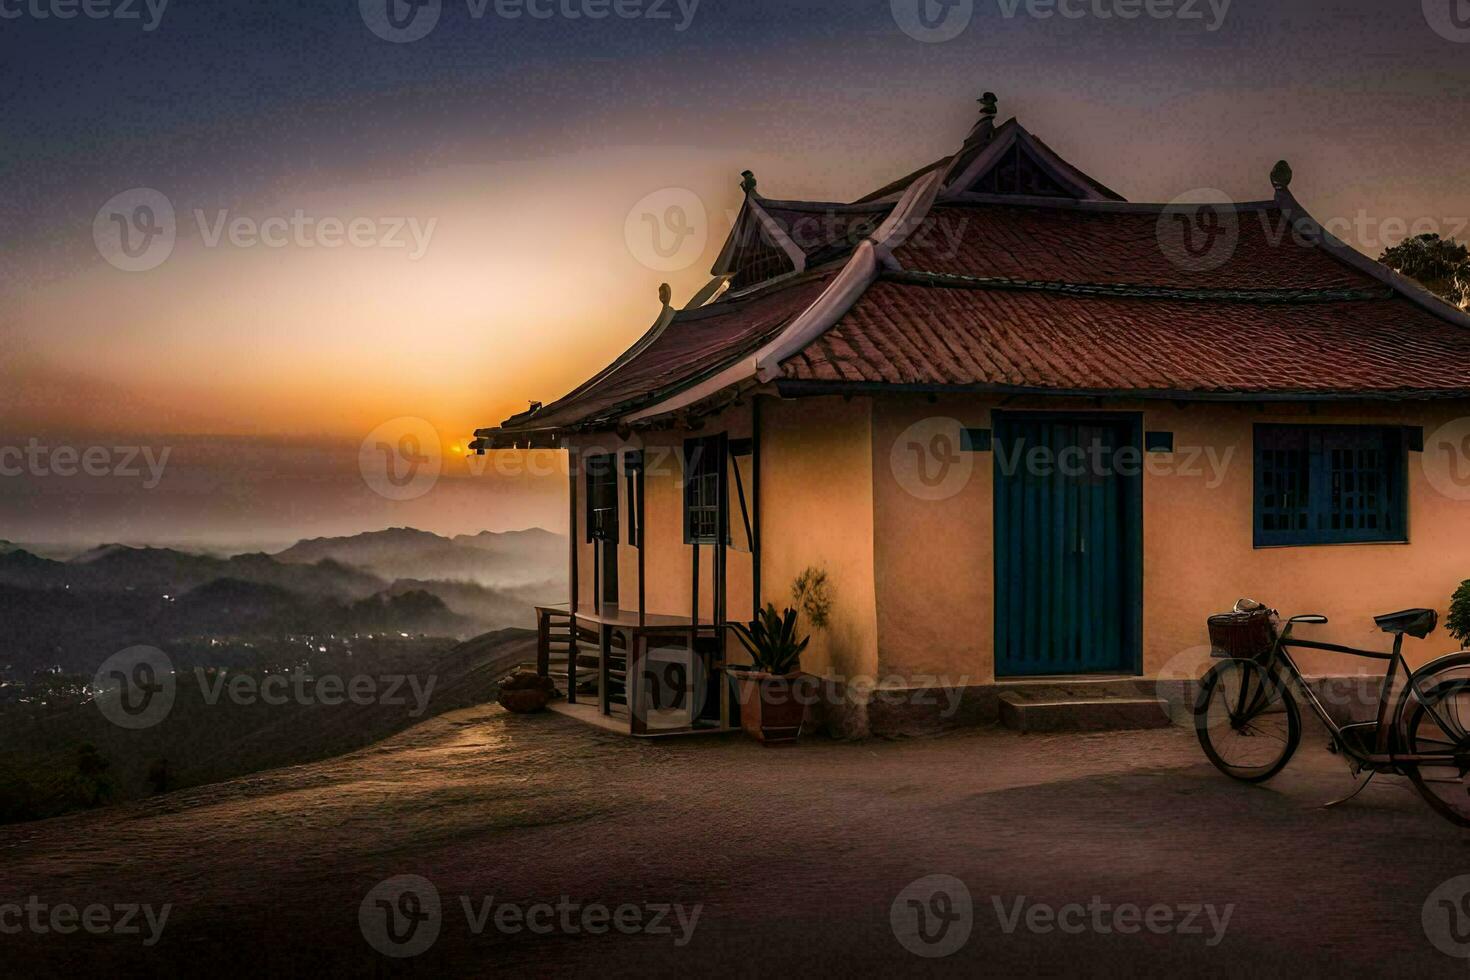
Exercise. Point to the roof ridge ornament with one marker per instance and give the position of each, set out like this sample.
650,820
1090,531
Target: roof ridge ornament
747,181
988,106
665,294
1281,175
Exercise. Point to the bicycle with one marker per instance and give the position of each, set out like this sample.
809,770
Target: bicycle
1249,724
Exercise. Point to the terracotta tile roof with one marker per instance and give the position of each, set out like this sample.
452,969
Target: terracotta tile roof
827,231
695,343
1122,245
1047,338
823,232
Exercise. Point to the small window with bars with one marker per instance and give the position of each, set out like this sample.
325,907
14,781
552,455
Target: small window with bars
1329,484
704,461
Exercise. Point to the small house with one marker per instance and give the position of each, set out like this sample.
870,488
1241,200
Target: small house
1027,432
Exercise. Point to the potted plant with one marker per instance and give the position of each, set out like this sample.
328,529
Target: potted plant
771,710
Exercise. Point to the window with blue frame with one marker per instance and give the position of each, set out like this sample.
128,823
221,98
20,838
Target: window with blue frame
1330,484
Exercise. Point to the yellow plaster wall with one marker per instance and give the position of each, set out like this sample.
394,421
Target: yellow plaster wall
934,561
817,510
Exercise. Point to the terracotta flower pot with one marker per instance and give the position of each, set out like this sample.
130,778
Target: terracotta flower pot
771,707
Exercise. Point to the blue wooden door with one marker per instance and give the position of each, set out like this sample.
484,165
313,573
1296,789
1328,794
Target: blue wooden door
1068,547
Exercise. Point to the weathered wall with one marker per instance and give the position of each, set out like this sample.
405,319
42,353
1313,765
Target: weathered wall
817,510
668,561
907,543
934,563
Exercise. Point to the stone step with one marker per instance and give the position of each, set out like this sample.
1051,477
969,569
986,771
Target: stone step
1031,713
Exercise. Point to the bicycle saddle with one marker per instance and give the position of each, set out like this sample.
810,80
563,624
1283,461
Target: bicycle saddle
1415,622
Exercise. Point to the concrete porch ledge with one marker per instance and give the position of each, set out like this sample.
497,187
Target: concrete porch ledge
1050,704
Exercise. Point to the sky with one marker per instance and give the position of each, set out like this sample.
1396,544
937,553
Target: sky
335,224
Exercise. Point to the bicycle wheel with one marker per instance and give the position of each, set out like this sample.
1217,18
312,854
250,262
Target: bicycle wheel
1445,786
1246,720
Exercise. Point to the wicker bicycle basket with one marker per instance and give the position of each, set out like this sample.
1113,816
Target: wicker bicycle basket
1244,635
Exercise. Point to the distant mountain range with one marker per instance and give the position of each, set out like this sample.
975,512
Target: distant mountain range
116,568
491,559
399,580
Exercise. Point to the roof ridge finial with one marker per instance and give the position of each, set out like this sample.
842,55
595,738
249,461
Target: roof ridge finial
1281,175
747,181
665,294
988,105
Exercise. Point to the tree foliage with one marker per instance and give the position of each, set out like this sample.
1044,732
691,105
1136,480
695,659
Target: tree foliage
1440,265
1458,622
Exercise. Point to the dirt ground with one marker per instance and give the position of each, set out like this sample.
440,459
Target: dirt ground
795,857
